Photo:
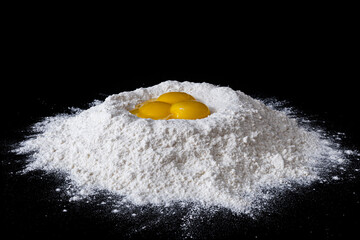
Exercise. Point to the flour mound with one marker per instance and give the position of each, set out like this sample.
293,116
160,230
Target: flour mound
224,160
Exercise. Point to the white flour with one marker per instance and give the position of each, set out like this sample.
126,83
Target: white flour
225,160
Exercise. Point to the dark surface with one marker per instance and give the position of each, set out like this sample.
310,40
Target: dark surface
52,61
30,206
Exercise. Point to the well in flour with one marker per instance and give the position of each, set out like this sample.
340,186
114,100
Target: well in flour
225,160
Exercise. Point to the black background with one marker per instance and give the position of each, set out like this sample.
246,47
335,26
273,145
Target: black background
47,73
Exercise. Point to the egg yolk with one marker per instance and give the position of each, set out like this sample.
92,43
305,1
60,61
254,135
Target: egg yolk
174,97
171,105
137,106
189,110
155,110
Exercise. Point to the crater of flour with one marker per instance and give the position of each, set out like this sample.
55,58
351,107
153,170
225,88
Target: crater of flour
224,160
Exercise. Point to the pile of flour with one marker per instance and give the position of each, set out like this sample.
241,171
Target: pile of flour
226,159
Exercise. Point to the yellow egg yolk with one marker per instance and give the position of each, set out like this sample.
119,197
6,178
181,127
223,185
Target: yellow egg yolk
154,109
137,106
174,97
189,110
171,105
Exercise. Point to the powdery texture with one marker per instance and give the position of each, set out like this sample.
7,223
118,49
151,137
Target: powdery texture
223,160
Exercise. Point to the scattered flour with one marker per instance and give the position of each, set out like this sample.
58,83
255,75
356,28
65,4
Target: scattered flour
224,160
